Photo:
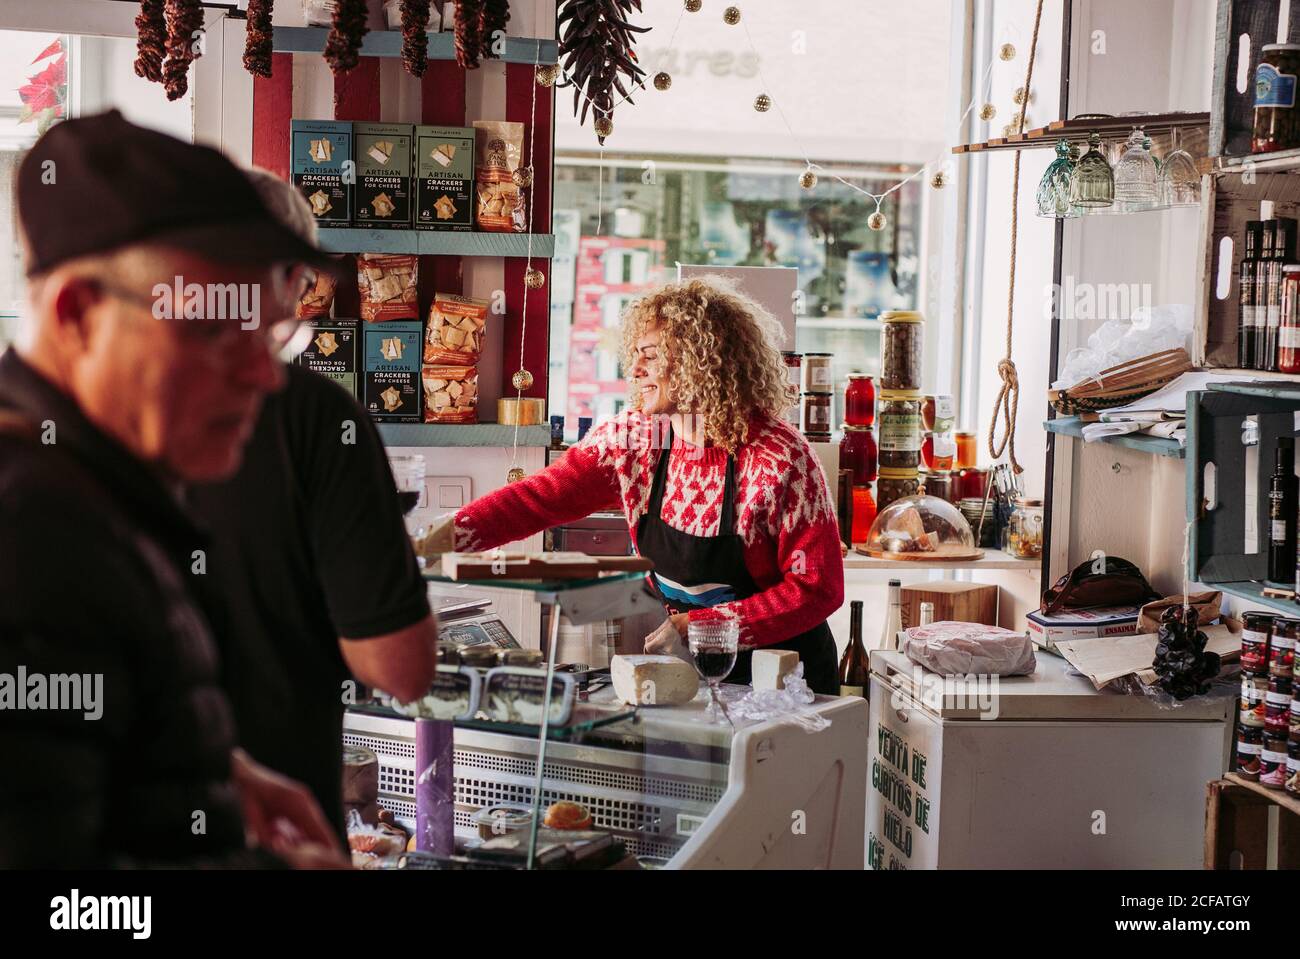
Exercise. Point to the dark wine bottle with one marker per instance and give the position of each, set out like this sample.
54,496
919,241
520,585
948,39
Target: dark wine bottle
853,665
1282,513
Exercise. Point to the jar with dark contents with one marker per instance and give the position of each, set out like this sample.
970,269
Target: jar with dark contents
1277,115
1254,691
815,417
1293,768
1256,629
1294,734
900,429
894,484
817,373
860,400
858,454
1277,709
1250,743
900,350
940,484
1272,762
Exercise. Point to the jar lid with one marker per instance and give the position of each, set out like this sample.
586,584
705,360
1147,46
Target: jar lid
897,473
900,394
1291,268
1031,503
901,316
853,428
790,353
478,655
819,354
818,393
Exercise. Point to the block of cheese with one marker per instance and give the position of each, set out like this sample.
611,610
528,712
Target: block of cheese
645,680
771,666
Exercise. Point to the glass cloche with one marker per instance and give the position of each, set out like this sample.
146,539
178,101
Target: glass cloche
923,528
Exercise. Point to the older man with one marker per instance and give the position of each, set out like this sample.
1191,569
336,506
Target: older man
142,366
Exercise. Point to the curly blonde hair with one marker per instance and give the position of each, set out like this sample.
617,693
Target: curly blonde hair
724,360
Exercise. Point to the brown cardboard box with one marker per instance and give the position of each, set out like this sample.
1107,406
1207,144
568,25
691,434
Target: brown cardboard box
958,602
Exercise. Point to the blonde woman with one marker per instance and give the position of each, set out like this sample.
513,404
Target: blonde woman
725,497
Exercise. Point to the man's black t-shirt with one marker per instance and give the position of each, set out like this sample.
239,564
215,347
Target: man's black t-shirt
308,547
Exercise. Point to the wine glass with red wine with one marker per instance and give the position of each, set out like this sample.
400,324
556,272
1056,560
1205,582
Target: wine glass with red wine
713,646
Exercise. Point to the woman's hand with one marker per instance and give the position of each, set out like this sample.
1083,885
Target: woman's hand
668,640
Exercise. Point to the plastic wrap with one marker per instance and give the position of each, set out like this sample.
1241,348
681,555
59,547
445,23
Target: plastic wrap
790,704
960,649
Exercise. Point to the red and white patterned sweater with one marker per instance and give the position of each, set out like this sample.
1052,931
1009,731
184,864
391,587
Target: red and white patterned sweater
783,512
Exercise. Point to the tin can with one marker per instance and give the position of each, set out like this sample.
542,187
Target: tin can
1255,633
1250,743
1272,763
1281,649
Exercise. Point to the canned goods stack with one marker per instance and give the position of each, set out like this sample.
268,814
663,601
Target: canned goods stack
1268,739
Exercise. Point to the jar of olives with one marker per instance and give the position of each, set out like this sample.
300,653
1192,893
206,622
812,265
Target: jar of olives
900,429
900,350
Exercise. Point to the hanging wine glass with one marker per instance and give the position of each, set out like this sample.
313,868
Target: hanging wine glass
1054,188
1179,182
1135,176
1093,183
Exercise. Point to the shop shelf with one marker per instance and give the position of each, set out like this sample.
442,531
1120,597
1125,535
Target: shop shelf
388,43
1282,161
1111,128
1232,110
992,559
1223,474
437,243
1253,592
1073,426
585,718
461,434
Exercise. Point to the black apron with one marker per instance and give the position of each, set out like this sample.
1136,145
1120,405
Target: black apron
697,572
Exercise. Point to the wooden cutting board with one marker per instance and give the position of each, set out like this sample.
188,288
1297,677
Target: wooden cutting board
545,566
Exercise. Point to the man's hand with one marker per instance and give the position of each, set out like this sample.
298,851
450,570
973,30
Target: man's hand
281,815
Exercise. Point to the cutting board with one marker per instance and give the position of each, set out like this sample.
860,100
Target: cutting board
545,566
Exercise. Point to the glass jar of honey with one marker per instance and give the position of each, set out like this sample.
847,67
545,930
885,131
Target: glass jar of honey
967,450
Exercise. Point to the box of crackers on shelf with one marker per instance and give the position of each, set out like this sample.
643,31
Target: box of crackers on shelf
393,396
332,351
383,165
444,178
499,205
321,168
386,283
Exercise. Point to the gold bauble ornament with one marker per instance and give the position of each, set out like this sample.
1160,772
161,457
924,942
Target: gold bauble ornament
939,180
515,475
988,111
731,15
1009,131
604,126
534,278
662,80
762,103
1007,51
693,6
522,380
523,177
807,179
547,74
877,221
1019,96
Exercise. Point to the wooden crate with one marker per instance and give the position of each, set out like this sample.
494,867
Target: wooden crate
1237,829
960,602
1232,110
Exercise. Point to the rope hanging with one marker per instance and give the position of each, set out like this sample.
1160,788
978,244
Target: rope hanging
1008,401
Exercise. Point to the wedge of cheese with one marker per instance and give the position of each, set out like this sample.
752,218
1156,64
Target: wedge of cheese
770,667
646,680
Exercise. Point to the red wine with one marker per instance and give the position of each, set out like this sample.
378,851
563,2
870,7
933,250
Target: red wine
409,499
714,663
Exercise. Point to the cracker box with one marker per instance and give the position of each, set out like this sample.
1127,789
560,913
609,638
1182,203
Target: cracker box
393,396
322,168
444,171
383,191
332,352
394,346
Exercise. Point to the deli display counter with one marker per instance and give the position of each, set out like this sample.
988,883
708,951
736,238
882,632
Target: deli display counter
670,785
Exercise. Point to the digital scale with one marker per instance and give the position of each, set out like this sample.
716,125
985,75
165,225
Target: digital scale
470,624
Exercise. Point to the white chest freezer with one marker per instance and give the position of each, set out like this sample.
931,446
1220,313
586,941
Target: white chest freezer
1057,774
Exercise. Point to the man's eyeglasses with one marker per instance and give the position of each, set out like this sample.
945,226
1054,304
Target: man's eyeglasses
284,338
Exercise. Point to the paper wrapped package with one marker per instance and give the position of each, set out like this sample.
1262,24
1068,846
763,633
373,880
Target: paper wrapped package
959,649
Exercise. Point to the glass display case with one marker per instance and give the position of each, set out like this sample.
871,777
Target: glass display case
635,786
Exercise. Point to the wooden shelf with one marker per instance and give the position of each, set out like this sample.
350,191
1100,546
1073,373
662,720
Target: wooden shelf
992,559
461,434
1281,161
435,242
1253,592
1279,796
1044,138
1073,426
388,43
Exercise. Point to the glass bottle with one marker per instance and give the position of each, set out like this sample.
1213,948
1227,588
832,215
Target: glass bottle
893,617
854,670
1093,184
1054,188
927,614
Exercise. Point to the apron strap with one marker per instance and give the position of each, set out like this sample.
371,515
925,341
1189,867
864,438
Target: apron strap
654,508
727,521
